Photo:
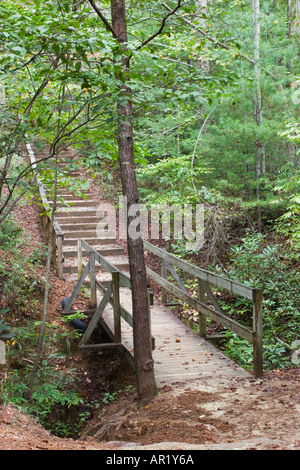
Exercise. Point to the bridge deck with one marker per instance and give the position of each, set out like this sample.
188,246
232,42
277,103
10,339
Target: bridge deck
180,355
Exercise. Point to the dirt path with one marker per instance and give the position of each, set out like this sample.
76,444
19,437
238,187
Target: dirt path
254,415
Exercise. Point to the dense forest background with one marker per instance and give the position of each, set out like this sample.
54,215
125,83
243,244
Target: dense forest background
214,88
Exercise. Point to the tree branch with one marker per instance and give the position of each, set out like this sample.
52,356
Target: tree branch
103,19
40,89
163,24
78,4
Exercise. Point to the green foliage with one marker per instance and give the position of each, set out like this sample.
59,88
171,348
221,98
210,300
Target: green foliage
54,388
170,181
288,190
270,268
38,255
18,280
5,334
10,234
58,67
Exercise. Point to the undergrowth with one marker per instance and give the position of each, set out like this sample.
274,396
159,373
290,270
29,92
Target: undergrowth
21,291
270,267
61,400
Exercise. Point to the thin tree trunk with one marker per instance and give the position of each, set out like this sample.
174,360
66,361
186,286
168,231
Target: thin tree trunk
201,8
289,17
258,117
146,386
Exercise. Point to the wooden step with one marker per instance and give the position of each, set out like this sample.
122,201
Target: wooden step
82,226
80,219
72,197
103,277
90,240
67,192
76,203
106,250
70,265
73,212
87,234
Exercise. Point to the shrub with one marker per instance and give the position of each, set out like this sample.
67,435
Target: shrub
271,269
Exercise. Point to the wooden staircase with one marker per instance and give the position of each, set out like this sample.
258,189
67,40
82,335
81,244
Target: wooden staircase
80,217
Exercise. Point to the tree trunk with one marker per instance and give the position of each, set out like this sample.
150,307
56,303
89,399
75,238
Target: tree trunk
201,8
146,386
260,147
289,17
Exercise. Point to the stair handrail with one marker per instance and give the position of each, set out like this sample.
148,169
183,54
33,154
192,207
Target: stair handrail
58,234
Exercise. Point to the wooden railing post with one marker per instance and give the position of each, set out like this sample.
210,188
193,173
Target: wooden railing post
257,334
202,317
93,280
150,302
164,268
116,306
79,258
54,249
60,256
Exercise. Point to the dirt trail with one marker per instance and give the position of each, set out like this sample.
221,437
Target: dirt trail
255,415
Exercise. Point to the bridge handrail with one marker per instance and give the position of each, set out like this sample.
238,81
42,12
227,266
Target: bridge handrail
58,234
212,278
204,278
110,295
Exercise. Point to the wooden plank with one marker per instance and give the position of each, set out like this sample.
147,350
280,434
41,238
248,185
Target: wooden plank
54,249
122,349
77,287
60,256
211,297
218,317
124,278
257,333
215,279
202,317
100,346
116,306
96,317
93,280
177,278
84,312
127,316
164,276
79,258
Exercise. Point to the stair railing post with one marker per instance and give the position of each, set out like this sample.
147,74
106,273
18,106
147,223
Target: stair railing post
116,306
79,258
60,256
150,302
93,280
257,334
54,249
202,318
164,269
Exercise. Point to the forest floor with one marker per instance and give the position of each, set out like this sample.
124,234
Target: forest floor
250,414
260,415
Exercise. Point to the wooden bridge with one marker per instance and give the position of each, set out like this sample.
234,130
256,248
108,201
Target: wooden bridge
84,252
